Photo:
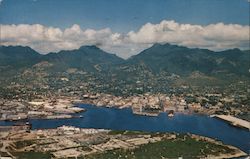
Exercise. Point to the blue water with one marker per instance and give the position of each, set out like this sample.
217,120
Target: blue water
124,119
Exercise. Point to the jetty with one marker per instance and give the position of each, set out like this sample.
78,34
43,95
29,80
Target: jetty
234,121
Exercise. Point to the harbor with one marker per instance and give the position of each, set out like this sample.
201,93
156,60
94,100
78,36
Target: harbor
124,119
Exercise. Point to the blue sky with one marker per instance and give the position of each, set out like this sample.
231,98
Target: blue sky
122,15
124,27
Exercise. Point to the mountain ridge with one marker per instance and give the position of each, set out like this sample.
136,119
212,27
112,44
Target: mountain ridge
183,60
159,57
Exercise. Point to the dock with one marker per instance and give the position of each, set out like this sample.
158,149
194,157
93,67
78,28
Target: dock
234,121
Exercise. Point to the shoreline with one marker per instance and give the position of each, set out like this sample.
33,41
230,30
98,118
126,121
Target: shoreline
108,108
61,108
72,108
221,156
135,139
236,122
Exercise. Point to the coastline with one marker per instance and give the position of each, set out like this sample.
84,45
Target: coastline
66,108
239,153
233,121
58,108
77,105
66,141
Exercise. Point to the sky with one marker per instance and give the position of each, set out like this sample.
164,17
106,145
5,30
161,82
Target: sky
124,27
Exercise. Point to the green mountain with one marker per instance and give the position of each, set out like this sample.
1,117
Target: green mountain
183,61
18,55
13,58
89,58
168,58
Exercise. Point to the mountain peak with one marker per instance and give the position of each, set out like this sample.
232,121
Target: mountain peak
166,45
94,47
16,47
156,44
18,51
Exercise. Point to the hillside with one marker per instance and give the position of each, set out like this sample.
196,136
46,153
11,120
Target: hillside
183,61
167,58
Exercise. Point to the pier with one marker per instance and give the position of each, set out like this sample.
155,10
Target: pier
234,121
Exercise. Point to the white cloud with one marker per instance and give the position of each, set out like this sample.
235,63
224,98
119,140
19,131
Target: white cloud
1,2
215,36
50,39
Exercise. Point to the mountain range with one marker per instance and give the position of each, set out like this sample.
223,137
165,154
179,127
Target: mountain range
169,58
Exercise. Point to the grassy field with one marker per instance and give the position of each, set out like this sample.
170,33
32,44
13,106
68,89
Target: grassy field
184,146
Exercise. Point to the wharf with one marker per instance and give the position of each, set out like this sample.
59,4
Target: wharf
234,121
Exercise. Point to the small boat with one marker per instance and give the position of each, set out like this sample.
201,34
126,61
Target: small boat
171,113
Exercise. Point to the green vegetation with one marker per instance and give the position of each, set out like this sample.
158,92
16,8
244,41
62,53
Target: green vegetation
116,132
33,155
186,147
244,116
24,143
169,146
